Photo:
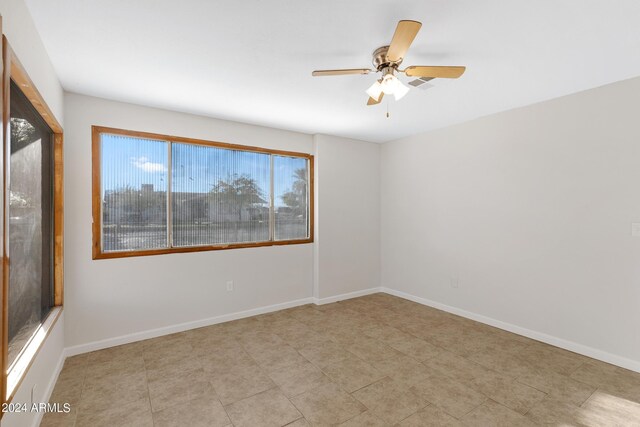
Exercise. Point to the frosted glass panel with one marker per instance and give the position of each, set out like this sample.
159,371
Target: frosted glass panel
291,187
219,195
134,193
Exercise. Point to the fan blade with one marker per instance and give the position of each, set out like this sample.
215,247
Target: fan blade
406,31
435,72
318,73
373,101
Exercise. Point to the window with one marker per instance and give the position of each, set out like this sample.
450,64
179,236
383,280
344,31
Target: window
31,222
155,194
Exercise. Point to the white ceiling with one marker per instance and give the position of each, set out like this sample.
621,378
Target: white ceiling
251,60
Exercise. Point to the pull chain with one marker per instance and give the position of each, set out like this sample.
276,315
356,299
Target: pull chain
387,108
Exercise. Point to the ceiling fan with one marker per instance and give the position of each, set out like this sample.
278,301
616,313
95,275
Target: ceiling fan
387,60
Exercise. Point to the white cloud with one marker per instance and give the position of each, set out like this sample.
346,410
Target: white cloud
144,164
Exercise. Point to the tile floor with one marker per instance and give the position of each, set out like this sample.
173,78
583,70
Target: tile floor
377,360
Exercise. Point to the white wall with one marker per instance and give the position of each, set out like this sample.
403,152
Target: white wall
531,209
110,298
21,33
348,216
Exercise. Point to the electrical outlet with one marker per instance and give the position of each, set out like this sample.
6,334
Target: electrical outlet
454,282
230,286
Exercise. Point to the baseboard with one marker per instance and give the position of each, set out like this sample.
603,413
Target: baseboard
153,333
349,295
538,336
49,390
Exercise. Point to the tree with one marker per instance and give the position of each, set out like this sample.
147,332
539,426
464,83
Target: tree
22,132
296,199
238,191
130,204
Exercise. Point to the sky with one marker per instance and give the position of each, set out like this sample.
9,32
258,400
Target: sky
136,161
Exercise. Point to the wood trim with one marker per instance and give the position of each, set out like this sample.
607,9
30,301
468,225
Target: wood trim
96,199
6,156
161,137
176,250
4,279
58,219
22,79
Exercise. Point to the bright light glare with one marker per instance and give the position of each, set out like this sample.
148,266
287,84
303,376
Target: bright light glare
374,90
400,91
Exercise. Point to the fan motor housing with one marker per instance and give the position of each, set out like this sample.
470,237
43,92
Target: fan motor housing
381,61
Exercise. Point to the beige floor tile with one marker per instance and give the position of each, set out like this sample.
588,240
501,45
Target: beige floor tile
371,350
300,422
352,374
269,408
118,367
557,413
255,341
455,367
165,392
298,378
112,392
552,358
167,346
506,363
358,342
305,338
240,383
324,353
366,419
327,404
385,333
430,416
493,414
610,378
615,409
78,362
390,400
508,392
558,386
222,361
451,396
67,390
415,347
403,369
59,419
172,365
112,354
202,412
205,347
276,357
134,414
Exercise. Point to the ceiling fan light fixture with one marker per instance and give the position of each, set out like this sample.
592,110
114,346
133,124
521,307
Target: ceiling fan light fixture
389,84
400,90
375,90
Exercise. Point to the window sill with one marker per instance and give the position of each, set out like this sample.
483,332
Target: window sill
97,254
18,370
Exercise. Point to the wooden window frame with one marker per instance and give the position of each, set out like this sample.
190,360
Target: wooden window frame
96,131
12,69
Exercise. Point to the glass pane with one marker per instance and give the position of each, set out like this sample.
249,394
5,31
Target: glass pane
219,195
30,223
134,193
291,197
